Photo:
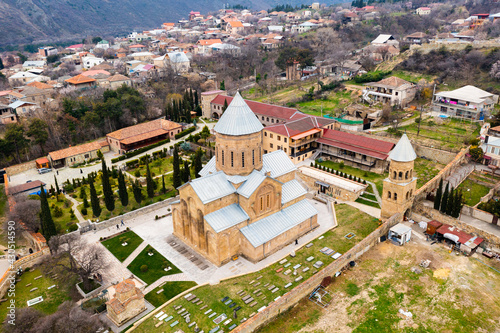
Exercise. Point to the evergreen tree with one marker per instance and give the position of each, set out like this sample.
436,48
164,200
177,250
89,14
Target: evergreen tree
222,85
439,194
94,200
85,203
459,203
137,190
186,172
150,188
1,64
451,202
122,189
109,199
47,224
57,185
176,177
444,200
163,188
196,101
224,107
197,164
83,193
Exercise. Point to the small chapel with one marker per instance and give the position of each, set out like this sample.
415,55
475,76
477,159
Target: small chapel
400,185
245,203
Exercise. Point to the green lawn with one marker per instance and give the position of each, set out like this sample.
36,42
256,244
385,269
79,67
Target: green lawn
114,245
170,290
425,170
368,203
334,102
3,201
349,218
64,223
473,192
52,298
157,167
156,264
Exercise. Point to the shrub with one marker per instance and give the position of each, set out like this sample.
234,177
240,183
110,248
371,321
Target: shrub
57,211
371,76
137,173
144,268
156,217
139,151
27,269
84,211
185,132
341,165
72,228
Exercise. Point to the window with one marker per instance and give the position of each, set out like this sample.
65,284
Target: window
268,201
267,119
400,175
407,195
284,139
223,157
271,145
260,155
389,195
242,159
253,157
265,133
232,162
272,120
262,117
279,137
395,197
87,155
285,150
394,175
271,135
406,175
261,203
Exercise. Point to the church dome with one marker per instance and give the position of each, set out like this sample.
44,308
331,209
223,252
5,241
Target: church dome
403,152
238,119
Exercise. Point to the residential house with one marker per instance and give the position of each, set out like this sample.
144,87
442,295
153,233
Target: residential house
178,61
226,48
75,48
304,27
118,80
168,26
142,56
235,27
7,115
37,92
81,81
32,64
385,40
137,48
423,11
78,154
141,135
356,150
491,149
47,51
91,61
103,44
417,38
468,102
392,90
23,108
204,45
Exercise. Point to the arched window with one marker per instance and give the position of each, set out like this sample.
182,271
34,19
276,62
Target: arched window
411,193
394,176
400,175
217,153
261,203
253,157
411,173
232,160
223,157
389,195
407,195
242,159
395,197
406,175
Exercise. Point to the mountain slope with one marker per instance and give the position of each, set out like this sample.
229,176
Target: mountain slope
26,21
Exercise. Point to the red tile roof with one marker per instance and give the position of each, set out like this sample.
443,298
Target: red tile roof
34,185
463,237
357,143
206,42
76,150
144,131
262,108
299,126
80,79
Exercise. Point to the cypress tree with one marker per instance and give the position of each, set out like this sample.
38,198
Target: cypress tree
222,85
186,172
122,189
451,202
458,204
196,101
176,177
94,200
224,107
150,188
137,190
109,199
444,200
163,188
439,194
57,185
83,193
197,163
85,203
47,224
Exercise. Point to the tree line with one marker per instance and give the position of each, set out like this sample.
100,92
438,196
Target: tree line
449,201
180,110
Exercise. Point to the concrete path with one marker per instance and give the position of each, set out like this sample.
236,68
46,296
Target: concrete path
75,202
404,123
375,191
134,254
167,278
481,225
375,212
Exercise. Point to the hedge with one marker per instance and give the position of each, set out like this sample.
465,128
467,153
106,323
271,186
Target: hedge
371,76
140,150
185,132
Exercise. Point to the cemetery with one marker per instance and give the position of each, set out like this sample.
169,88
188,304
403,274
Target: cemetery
150,265
123,244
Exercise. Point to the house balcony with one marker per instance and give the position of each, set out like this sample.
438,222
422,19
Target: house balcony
350,158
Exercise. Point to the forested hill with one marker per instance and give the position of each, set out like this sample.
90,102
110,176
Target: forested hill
26,21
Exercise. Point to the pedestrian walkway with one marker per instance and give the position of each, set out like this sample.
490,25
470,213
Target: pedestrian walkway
134,254
167,278
75,202
375,191
375,212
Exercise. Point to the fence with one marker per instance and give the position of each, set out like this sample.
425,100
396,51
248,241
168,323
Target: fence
295,295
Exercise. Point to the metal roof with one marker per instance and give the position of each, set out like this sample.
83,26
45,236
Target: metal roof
291,190
226,217
274,225
277,163
403,152
177,57
467,93
208,168
212,187
238,119
251,184
331,179
400,229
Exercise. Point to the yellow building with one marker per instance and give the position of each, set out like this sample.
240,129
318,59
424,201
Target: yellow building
245,202
400,185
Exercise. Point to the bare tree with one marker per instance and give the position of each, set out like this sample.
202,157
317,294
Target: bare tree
26,211
83,258
25,321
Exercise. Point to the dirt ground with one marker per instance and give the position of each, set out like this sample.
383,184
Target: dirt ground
389,292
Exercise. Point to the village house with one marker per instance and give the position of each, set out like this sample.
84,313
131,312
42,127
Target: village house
23,108
47,51
118,80
68,157
392,90
21,78
142,56
141,135
33,64
81,81
178,61
235,27
89,62
467,102
423,11
417,38
205,44
7,115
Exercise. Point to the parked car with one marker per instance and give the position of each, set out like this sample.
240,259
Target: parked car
44,170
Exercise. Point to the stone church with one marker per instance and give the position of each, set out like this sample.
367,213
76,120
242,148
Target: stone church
401,184
245,202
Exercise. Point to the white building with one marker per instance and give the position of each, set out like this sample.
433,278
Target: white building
303,27
179,62
423,11
29,64
89,62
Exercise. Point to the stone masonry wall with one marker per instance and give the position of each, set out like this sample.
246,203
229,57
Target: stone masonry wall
18,168
295,295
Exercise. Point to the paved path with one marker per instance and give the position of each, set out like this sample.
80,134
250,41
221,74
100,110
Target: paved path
167,278
375,212
75,202
134,254
375,191
404,123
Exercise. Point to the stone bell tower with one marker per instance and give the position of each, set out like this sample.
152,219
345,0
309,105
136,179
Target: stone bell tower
400,185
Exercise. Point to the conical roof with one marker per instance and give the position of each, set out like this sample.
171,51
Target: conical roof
238,119
403,152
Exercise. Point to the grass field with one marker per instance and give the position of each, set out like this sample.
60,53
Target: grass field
114,245
155,265
473,192
170,290
332,104
455,294
350,220
157,167
3,201
52,298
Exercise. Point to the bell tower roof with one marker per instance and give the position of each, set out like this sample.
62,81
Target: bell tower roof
403,151
238,119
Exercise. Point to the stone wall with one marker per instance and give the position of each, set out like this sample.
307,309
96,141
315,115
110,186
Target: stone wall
432,184
303,290
434,214
477,213
128,216
18,168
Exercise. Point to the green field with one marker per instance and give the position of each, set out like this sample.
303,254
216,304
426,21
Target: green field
170,290
334,102
155,266
349,218
114,245
472,192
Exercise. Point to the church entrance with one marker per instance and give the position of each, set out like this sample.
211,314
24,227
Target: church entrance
323,187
